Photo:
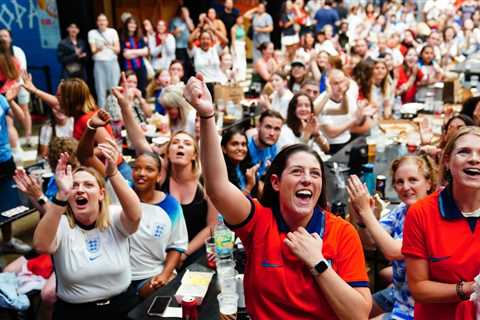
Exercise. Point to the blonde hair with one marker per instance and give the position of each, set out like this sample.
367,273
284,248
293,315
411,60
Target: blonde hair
447,151
196,169
172,97
103,220
75,97
425,164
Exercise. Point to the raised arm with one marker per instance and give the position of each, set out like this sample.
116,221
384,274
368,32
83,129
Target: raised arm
44,237
49,99
227,198
131,213
16,110
134,132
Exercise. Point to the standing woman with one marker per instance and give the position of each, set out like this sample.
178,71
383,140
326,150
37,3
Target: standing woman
105,46
239,53
414,177
440,242
72,54
262,24
88,239
180,27
134,50
303,262
163,49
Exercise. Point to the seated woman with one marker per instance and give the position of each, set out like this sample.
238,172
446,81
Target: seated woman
235,152
181,180
288,235
302,126
265,66
74,99
281,96
413,178
89,239
180,114
409,76
380,92
432,72
161,80
440,271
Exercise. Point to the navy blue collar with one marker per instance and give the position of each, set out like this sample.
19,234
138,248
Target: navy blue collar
316,223
448,207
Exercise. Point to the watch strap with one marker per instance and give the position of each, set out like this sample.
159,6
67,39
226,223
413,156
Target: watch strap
60,203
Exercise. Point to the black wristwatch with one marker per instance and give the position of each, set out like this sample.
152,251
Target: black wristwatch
59,202
319,268
42,200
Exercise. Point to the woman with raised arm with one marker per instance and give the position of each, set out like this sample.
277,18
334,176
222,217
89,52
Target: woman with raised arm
440,241
88,239
304,262
413,178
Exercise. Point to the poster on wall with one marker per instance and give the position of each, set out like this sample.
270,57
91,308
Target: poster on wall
48,23
18,16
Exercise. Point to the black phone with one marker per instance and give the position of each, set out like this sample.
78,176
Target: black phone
158,306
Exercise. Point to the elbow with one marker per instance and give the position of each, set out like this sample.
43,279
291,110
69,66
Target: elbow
41,246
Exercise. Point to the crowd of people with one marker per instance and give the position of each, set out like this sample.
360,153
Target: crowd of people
115,227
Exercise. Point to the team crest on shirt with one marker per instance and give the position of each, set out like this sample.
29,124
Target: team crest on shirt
158,229
93,244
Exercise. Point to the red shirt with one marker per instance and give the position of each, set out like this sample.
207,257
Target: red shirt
436,231
409,95
280,286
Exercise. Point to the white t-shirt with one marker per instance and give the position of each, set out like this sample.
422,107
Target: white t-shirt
20,56
287,138
333,120
102,39
163,54
65,131
280,103
92,265
208,64
161,229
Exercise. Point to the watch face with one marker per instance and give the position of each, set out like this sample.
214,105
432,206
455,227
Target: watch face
321,266
42,201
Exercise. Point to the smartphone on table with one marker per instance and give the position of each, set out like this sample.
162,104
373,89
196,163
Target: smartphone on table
158,306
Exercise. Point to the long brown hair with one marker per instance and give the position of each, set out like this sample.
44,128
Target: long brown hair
8,65
75,97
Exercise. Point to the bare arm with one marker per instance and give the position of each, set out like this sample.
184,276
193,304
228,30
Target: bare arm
426,291
227,198
262,69
49,99
134,132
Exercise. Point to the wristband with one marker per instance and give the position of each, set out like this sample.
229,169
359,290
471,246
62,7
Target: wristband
89,126
60,203
208,117
109,176
460,293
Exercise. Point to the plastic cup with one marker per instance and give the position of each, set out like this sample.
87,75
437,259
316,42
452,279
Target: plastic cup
210,249
228,305
371,149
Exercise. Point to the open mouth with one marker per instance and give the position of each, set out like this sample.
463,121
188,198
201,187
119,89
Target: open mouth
180,153
81,201
304,195
472,171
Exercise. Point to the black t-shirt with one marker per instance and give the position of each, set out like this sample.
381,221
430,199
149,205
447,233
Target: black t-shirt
228,19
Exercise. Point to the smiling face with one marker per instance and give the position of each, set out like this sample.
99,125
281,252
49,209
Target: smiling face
102,22
427,55
236,148
464,162
85,197
303,109
299,186
410,182
145,173
161,26
379,71
132,26
205,41
411,58
181,150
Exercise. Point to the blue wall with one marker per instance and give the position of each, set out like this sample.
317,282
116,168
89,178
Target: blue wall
35,28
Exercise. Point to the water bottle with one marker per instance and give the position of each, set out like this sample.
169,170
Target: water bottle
397,108
368,177
224,239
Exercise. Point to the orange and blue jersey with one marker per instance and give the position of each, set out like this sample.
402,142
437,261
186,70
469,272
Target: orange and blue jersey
278,285
436,231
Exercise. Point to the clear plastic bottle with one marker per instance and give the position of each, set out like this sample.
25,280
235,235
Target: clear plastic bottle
397,108
224,239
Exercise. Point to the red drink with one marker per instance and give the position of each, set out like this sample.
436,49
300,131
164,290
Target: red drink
412,148
189,308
